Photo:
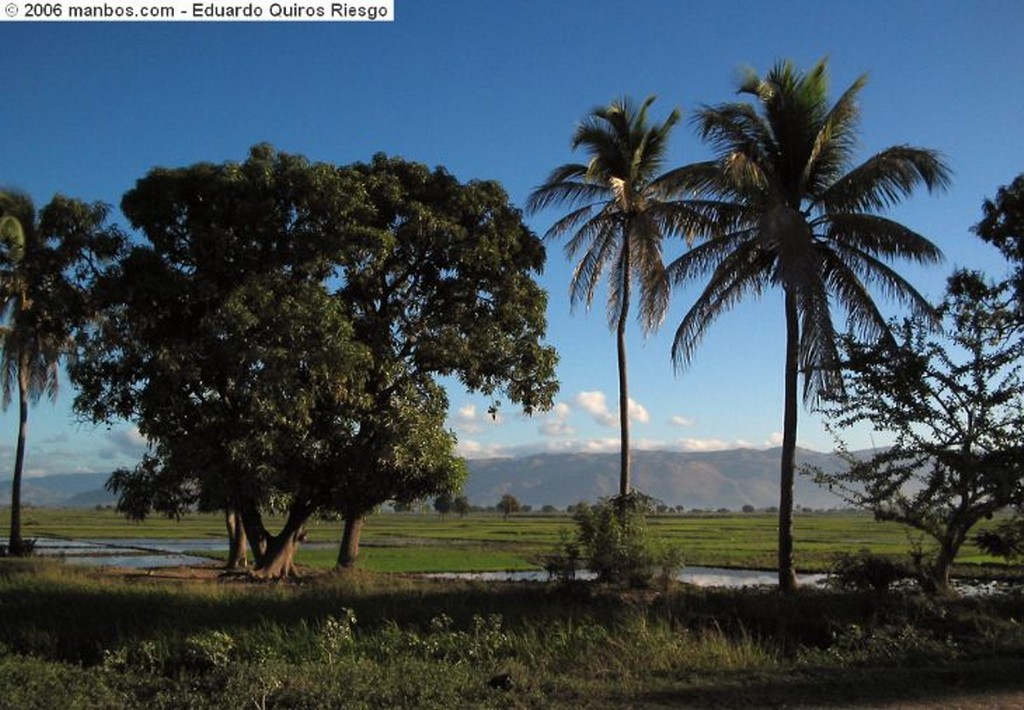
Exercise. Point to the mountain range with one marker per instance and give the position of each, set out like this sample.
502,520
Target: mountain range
714,479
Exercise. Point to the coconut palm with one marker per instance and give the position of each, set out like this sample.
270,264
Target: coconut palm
620,213
794,213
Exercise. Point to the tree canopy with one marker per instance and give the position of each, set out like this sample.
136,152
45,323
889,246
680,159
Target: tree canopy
955,405
278,334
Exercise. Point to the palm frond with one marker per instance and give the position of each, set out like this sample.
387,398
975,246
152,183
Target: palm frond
835,142
587,274
708,256
885,179
879,236
742,272
647,268
879,275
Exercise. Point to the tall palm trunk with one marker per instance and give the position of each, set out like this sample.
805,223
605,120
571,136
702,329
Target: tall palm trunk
16,545
787,575
620,336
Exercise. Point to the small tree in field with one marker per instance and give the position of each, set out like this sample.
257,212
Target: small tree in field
508,504
956,408
443,504
461,506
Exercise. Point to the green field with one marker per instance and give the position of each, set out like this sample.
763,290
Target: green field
485,542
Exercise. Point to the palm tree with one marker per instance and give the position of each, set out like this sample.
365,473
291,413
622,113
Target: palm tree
42,300
28,357
792,212
620,213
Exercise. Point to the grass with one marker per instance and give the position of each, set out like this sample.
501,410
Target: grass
363,640
486,542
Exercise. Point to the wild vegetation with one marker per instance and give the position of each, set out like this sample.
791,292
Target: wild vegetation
356,641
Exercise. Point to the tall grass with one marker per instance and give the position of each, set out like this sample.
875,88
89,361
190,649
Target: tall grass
365,640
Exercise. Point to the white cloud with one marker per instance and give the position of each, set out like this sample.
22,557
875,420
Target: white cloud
466,419
774,439
595,403
712,444
127,442
467,448
681,421
556,424
637,412
471,421
601,446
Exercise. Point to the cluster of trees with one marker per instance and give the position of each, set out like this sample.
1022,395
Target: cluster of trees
278,330
780,205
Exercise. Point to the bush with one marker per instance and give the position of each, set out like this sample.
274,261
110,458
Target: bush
865,571
613,542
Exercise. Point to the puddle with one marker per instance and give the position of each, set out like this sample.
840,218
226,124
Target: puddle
700,576
139,553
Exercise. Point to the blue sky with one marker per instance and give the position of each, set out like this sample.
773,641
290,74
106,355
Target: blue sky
493,89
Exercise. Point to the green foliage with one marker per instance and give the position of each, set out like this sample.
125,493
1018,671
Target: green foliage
864,571
278,334
1006,541
905,645
956,409
1002,226
337,635
613,541
423,644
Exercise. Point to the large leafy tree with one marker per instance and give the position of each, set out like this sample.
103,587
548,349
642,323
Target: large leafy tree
794,212
278,337
620,213
442,286
46,271
955,406
223,341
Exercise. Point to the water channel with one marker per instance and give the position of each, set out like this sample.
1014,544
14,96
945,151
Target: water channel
148,553
143,553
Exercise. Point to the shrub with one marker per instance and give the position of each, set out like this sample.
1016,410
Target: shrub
613,542
865,571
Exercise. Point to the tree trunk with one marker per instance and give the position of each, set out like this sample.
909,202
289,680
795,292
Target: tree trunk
620,339
936,581
237,540
16,545
255,532
787,574
348,554
279,558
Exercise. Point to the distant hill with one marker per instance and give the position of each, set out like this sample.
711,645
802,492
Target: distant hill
75,490
714,479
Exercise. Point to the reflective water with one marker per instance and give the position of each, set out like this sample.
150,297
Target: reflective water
145,553
155,552
700,576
